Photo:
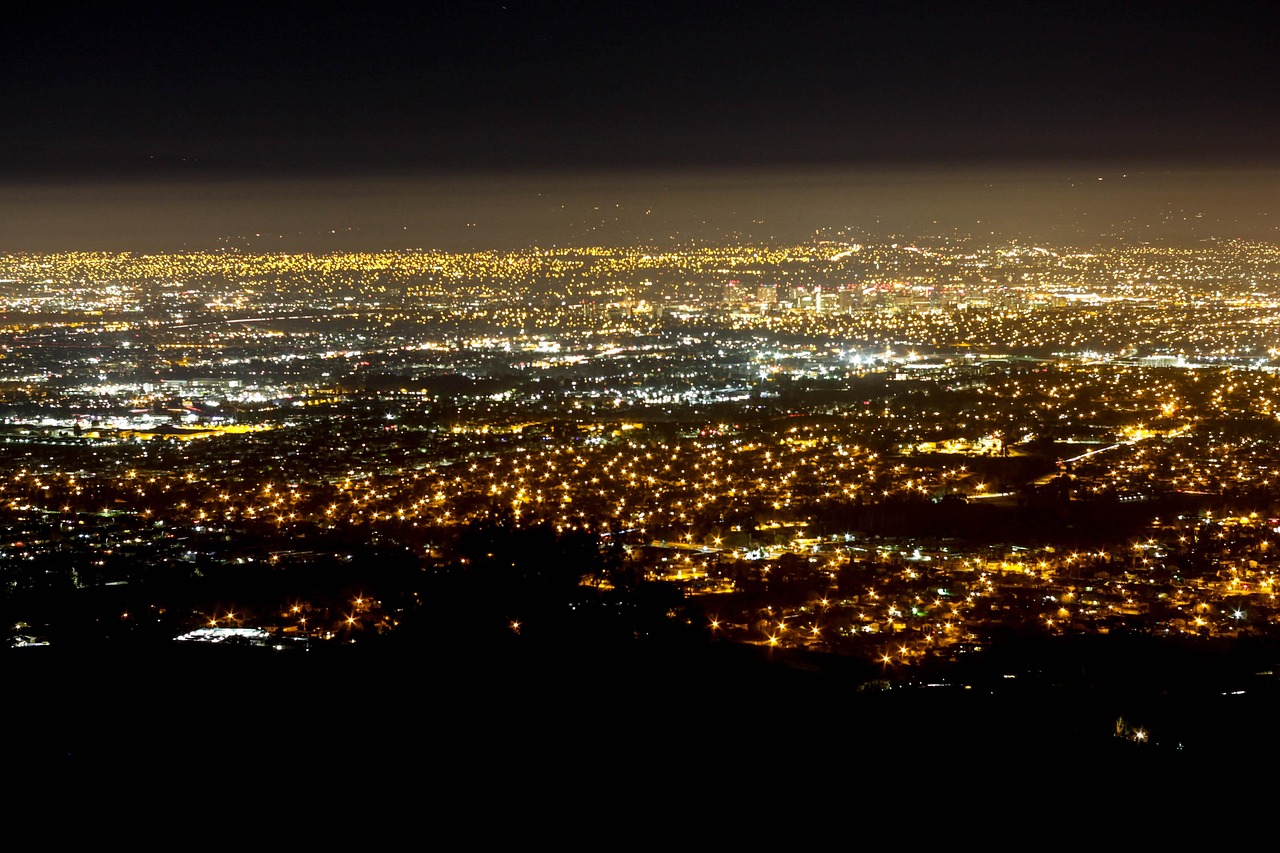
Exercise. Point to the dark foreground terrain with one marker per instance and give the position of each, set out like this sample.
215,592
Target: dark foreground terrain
697,714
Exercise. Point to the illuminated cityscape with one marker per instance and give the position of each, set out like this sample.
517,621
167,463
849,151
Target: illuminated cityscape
891,452
697,383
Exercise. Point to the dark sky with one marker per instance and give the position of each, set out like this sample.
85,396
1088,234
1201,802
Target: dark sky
195,89
487,124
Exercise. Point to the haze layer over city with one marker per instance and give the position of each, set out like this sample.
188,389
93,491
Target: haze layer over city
854,386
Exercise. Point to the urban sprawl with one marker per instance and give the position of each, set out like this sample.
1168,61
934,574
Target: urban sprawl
890,451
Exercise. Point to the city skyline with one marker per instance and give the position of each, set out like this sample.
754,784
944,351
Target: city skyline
952,471
515,367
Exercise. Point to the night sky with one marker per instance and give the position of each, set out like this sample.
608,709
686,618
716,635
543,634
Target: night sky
226,97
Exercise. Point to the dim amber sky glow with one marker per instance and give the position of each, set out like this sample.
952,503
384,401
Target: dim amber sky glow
1068,205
